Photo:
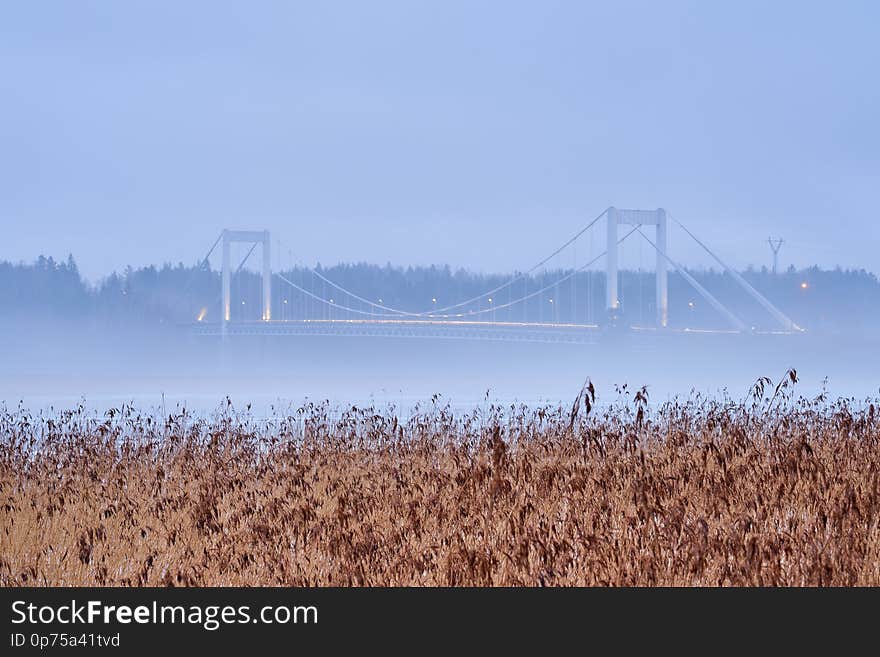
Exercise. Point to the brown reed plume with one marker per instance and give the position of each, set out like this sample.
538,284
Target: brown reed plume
770,490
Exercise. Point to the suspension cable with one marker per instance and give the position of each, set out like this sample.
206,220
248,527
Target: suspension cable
211,250
200,267
720,307
511,281
778,315
462,314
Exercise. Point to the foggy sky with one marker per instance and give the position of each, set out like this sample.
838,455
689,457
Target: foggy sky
479,134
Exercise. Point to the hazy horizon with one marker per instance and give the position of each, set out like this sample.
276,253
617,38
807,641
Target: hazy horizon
481,136
646,266
471,135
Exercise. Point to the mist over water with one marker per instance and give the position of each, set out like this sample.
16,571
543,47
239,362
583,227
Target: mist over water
475,136
138,338
61,366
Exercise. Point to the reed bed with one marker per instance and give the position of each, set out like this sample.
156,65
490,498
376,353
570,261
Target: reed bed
772,489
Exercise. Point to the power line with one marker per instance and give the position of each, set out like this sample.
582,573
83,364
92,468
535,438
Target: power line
775,245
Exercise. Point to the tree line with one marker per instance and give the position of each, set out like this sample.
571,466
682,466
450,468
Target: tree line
835,300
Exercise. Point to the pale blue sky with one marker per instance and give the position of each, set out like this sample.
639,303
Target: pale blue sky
478,134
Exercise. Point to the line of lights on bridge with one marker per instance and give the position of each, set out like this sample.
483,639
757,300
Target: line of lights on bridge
804,285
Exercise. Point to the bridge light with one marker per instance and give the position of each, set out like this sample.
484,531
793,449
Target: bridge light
551,300
331,300
380,300
202,313
285,301
690,304
433,299
490,299
804,285
242,302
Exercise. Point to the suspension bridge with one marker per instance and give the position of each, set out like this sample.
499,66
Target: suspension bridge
326,307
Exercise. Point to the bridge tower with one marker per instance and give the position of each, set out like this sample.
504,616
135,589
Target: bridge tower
250,237
656,218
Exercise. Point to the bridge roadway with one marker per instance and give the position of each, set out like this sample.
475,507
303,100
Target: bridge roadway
409,328
428,328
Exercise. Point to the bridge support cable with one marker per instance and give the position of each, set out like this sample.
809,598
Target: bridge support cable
245,259
336,286
455,316
720,307
238,270
466,302
321,299
778,315
181,296
204,260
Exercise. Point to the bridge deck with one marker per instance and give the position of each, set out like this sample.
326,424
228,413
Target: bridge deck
436,329
440,329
